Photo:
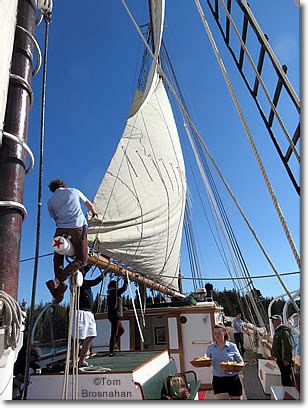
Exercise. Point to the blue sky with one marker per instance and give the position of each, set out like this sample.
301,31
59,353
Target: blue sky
92,71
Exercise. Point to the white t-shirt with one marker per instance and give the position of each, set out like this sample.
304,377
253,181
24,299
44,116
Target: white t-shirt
65,208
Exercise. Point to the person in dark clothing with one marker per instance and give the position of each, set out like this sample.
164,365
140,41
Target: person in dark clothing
86,321
209,291
238,332
115,313
20,366
282,350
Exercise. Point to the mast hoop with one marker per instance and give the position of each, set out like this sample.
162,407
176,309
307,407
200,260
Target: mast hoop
24,146
37,47
16,205
24,83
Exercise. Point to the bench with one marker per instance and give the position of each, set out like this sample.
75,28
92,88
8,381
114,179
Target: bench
269,374
156,386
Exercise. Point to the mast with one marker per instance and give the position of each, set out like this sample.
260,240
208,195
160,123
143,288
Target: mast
12,154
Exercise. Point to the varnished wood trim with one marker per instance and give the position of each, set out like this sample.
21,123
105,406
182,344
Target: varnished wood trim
167,332
181,354
212,324
174,351
170,311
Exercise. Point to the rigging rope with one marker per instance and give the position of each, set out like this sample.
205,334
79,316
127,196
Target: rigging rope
234,278
251,141
212,159
74,345
47,19
217,213
273,107
134,307
249,287
190,245
141,306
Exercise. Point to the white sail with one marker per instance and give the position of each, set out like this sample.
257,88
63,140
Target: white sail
8,13
157,14
142,196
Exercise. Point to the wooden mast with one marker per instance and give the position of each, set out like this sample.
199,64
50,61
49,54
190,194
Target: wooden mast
102,262
12,156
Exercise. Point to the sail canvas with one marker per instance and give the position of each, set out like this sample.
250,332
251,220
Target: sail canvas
142,196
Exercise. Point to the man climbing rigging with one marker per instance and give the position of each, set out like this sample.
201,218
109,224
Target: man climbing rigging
65,208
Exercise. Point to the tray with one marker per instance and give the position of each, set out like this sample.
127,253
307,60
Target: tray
201,363
232,367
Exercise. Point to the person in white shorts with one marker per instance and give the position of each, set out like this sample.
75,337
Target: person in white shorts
86,321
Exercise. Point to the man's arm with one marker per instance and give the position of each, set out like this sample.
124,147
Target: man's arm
235,325
123,288
87,203
90,207
237,354
92,282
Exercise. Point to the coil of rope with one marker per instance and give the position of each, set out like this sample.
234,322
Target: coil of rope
12,319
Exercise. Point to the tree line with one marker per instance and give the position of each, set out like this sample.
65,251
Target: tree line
54,323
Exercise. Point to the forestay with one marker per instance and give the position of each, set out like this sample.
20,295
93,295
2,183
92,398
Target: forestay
142,196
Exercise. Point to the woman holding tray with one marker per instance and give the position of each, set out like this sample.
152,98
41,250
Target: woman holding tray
226,381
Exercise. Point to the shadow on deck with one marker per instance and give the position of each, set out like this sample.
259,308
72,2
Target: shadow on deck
251,382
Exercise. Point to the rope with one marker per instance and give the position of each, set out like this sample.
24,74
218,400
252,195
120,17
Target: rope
47,19
251,141
134,307
141,306
212,199
101,295
273,107
211,158
12,320
248,289
233,278
73,321
69,340
76,347
40,256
